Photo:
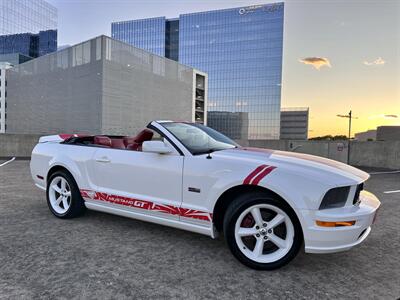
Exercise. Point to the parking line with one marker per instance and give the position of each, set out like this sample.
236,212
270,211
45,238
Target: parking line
391,192
7,162
387,172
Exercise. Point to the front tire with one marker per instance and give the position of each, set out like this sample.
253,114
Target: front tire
63,196
262,231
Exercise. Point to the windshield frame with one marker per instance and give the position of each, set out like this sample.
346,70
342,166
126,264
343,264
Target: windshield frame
200,127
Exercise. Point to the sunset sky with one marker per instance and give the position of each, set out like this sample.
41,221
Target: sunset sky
338,55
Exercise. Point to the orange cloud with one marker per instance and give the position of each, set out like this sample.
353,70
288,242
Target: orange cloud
377,62
316,62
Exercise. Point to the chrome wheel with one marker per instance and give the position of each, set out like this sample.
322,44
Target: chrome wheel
264,233
60,195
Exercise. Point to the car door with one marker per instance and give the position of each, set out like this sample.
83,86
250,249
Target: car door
145,182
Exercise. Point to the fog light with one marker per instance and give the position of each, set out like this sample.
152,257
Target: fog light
335,224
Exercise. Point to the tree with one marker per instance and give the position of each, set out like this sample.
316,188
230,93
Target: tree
329,138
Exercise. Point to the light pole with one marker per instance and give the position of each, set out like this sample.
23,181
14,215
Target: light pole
349,116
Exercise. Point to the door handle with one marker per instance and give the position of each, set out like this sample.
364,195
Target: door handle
103,160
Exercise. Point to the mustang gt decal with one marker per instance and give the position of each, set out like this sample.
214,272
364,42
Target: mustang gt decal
147,205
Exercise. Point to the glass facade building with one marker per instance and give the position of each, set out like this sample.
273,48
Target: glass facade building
27,27
241,50
148,34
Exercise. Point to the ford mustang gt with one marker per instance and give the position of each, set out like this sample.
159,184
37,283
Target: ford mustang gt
268,204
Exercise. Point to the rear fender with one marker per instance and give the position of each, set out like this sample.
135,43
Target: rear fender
68,164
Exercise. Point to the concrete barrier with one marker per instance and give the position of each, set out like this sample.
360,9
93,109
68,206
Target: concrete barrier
270,144
336,150
18,145
380,154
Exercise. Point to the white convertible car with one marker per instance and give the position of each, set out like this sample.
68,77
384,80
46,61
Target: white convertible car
267,203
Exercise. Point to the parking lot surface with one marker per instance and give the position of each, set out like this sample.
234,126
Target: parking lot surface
101,256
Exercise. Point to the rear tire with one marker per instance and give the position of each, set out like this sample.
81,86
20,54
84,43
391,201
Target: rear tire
63,196
262,231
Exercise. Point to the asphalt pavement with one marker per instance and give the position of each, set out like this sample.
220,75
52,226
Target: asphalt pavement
101,256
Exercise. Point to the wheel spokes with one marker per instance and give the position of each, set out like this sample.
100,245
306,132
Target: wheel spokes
258,248
278,219
63,184
271,228
65,202
58,201
56,188
281,243
247,231
256,213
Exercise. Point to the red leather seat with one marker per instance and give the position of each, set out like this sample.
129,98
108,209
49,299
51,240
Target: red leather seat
101,140
128,140
118,144
144,135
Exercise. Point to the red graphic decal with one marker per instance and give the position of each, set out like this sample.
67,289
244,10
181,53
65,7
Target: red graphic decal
254,173
147,205
258,174
264,173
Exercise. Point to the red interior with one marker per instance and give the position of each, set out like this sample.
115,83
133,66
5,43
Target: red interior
117,144
102,140
144,135
127,142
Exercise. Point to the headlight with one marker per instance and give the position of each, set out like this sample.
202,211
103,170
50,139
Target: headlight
356,199
336,197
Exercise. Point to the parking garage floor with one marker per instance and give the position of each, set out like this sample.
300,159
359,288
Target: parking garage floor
101,256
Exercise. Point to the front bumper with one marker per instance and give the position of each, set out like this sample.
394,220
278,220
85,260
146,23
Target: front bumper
319,239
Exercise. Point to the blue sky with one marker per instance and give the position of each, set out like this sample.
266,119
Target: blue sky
338,55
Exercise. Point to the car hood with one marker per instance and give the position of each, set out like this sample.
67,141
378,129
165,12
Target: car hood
303,163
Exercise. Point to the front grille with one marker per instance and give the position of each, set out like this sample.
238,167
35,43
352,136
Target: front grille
360,187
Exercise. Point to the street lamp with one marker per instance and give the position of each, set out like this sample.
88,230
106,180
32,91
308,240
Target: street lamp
349,116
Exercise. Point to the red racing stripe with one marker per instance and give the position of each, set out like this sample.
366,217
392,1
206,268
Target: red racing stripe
264,173
254,173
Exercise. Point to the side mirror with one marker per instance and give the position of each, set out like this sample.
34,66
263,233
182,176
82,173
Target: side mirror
155,147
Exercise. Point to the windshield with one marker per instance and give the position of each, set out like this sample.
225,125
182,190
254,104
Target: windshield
199,139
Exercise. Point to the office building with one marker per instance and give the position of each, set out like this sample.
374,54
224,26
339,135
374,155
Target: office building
381,133
388,133
294,123
239,48
14,58
369,135
238,123
101,86
3,94
27,28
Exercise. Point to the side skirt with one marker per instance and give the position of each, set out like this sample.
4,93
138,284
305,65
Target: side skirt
153,219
